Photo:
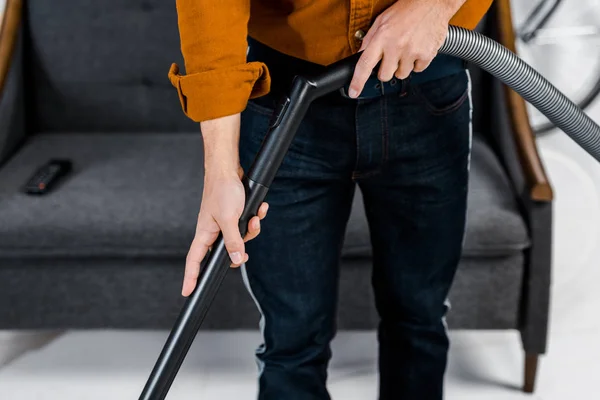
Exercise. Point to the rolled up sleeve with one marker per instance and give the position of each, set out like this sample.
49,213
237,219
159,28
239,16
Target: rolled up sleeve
218,80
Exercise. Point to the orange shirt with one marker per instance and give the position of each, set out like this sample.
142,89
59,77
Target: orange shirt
214,33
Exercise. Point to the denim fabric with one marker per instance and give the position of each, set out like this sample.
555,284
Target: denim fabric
408,153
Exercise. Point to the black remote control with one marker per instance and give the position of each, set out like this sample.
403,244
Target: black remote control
47,175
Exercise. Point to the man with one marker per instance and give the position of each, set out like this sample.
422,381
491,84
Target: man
403,136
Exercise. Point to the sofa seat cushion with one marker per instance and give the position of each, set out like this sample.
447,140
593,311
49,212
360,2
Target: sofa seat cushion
494,225
139,195
128,195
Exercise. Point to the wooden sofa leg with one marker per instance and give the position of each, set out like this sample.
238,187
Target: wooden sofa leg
531,366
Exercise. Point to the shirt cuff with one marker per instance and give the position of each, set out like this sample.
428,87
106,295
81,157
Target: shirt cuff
221,92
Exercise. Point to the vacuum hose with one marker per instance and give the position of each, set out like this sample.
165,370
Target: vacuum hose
527,82
461,43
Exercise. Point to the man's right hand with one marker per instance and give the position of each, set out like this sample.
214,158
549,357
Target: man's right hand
223,200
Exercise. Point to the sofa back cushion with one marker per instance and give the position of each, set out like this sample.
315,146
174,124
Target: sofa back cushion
102,66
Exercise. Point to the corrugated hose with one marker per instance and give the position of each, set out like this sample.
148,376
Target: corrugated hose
506,66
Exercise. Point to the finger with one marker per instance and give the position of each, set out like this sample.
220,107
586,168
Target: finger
388,67
421,65
233,239
262,211
244,261
367,39
405,67
368,60
194,258
253,229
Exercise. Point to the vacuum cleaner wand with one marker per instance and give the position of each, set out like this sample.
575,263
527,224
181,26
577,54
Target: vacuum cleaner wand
462,43
282,128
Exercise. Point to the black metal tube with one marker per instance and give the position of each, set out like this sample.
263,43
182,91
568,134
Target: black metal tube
213,270
337,75
215,265
282,128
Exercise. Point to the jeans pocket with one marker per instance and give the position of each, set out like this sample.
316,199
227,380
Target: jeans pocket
445,95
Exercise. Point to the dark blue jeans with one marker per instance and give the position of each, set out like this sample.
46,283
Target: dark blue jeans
408,153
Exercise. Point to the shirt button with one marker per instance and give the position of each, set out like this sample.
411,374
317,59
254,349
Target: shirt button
359,34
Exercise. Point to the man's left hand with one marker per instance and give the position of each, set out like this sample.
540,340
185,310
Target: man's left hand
406,37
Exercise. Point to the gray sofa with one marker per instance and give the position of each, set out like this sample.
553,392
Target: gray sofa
86,80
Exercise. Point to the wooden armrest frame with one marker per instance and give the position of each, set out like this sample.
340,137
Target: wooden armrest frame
533,168
9,32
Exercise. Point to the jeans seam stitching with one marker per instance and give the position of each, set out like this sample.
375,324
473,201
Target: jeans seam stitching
366,174
385,133
355,173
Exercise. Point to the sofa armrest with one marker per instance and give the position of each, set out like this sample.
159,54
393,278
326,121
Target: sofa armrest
514,142
12,121
9,33
537,185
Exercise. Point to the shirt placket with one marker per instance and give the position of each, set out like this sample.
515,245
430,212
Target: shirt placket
360,20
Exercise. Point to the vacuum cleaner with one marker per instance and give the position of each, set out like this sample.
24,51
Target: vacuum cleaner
462,43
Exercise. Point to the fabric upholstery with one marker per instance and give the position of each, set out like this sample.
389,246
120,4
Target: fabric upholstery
495,225
136,293
128,196
102,66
